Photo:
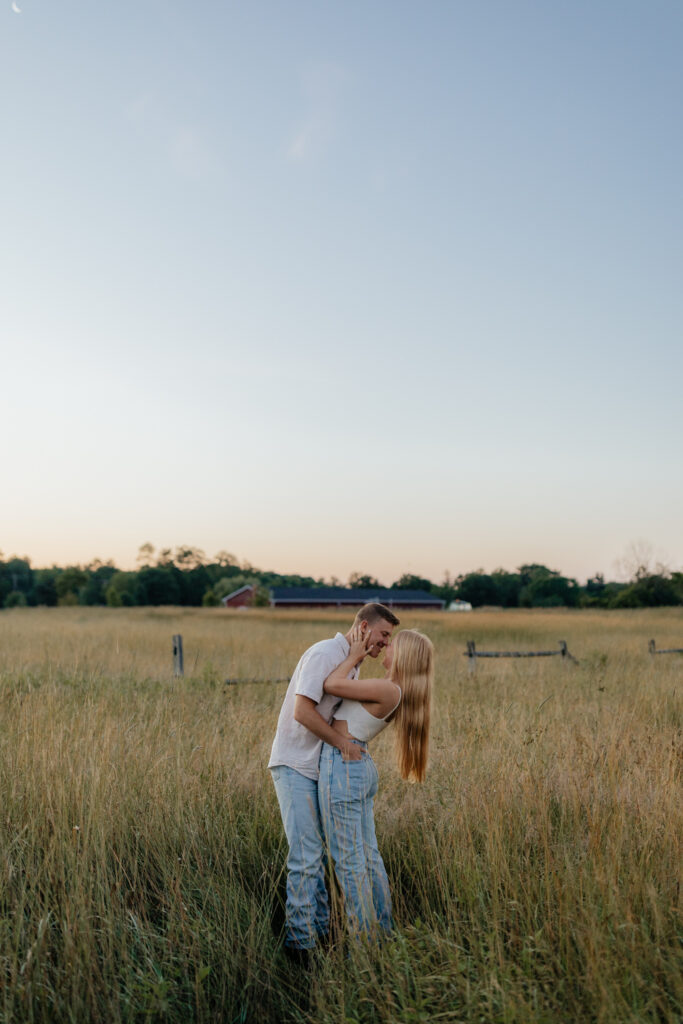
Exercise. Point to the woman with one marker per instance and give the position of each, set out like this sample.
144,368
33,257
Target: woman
346,789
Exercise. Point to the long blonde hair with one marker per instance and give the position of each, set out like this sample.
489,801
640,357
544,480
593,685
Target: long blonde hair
412,669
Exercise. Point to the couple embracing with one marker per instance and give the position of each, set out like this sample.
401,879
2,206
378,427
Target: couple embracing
325,779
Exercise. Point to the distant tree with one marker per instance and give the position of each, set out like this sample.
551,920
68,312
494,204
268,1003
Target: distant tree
224,558
653,591
15,599
122,590
15,575
594,594
145,555
410,582
45,586
69,583
447,589
533,570
363,581
159,584
508,586
476,587
546,588
195,583
189,557
261,597
274,579
637,561
94,592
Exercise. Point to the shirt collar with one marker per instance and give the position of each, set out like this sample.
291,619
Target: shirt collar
341,639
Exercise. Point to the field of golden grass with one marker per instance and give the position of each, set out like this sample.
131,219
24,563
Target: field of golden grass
535,876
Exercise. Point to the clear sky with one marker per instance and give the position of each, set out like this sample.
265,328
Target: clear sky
378,286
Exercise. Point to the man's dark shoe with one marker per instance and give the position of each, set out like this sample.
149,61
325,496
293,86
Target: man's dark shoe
297,955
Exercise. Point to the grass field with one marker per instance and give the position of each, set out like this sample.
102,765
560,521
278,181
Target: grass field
535,876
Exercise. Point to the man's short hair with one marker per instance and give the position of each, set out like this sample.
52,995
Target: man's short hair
373,612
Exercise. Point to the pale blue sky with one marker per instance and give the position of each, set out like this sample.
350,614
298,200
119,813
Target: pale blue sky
343,286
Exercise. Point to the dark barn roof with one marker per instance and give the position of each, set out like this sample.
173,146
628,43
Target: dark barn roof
311,597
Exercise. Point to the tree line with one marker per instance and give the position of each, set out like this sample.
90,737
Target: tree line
185,576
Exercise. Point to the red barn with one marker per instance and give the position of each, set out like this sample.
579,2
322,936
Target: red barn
241,598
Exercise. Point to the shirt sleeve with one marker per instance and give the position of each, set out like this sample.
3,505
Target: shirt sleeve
315,667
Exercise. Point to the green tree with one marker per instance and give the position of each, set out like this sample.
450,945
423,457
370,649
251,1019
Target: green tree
45,586
159,584
195,584
410,582
261,597
69,583
654,591
478,588
15,575
188,557
594,594
145,554
363,581
94,592
224,559
508,586
122,590
546,588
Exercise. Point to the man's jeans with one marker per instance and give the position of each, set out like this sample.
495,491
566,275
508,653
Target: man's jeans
346,791
308,915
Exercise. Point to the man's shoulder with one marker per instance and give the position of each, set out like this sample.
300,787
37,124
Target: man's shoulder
330,644
332,649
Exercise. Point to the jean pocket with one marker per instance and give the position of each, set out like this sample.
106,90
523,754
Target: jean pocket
348,780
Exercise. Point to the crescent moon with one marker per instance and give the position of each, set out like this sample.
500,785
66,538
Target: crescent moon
15,7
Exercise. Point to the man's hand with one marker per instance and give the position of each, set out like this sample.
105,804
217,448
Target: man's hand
349,751
306,713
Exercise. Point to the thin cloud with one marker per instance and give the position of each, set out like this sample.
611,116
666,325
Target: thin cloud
309,140
190,154
184,145
323,86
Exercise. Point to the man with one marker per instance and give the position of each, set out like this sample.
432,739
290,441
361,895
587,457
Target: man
303,725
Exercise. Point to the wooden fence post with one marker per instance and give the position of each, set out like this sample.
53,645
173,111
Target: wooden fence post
471,656
178,669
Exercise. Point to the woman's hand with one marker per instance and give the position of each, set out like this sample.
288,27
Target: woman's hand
359,641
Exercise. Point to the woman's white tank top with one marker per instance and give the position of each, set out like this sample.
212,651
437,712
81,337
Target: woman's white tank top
361,724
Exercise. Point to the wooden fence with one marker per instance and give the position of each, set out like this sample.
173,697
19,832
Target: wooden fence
472,654
652,648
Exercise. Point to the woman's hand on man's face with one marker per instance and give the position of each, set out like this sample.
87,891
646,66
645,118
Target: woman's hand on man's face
359,640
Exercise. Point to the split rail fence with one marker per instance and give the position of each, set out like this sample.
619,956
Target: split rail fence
652,648
472,654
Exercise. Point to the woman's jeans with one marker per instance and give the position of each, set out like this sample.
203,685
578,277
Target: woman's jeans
346,792
307,915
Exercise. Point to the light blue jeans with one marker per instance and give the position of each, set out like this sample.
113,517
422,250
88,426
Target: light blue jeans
307,913
346,792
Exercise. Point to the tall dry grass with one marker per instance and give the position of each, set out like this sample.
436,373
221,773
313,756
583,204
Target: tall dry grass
535,875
